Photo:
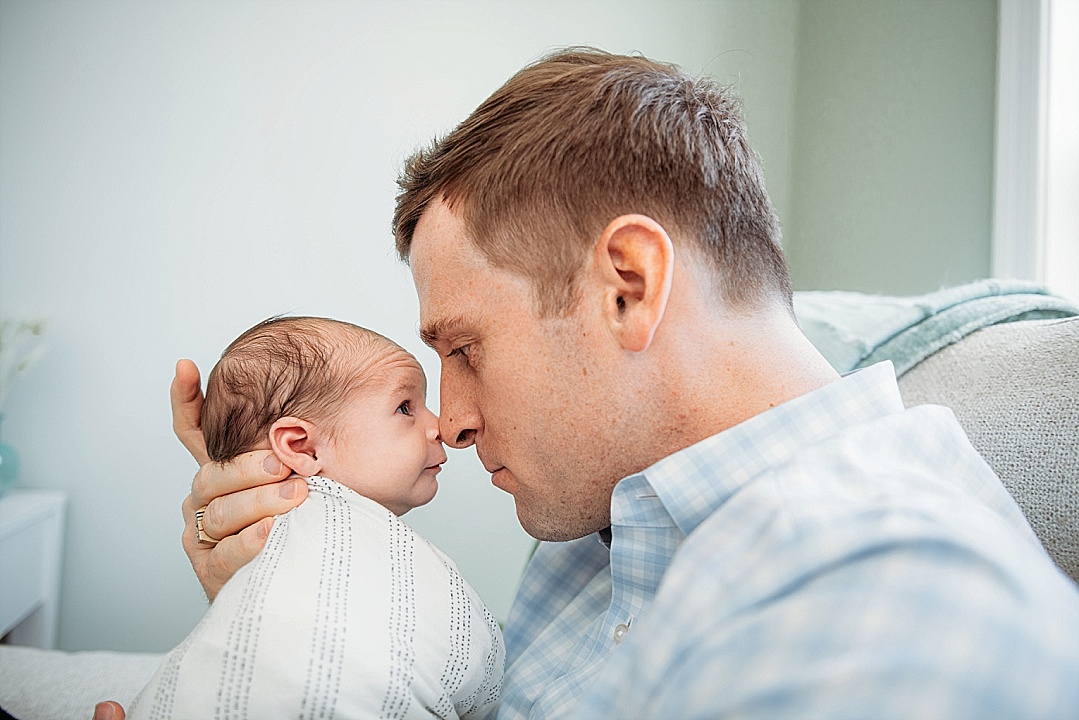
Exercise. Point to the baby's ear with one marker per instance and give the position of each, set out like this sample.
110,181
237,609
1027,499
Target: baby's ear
294,442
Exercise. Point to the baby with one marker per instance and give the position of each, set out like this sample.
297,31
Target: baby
346,612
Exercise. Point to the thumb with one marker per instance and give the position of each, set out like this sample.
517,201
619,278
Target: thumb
109,711
185,394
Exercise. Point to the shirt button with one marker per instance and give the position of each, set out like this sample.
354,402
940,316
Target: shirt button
620,633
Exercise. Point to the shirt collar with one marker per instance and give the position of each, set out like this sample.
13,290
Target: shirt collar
692,483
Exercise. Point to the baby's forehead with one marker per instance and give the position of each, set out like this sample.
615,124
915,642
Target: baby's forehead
388,368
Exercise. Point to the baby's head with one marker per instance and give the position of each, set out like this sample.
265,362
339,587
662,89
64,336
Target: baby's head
331,399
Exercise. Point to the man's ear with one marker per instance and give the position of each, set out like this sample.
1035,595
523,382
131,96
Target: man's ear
295,442
635,261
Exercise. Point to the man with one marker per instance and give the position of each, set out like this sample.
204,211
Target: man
737,530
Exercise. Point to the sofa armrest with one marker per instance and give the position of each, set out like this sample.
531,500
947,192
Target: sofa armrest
40,684
1014,388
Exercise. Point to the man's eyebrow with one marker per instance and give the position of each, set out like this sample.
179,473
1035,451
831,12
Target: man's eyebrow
437,330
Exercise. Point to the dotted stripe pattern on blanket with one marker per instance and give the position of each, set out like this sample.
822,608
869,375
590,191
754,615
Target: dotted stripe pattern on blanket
165,695
324,668
346,613
453,674
402,623
241,642
491,665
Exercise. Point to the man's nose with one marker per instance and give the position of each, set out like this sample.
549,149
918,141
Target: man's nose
459,419
456,432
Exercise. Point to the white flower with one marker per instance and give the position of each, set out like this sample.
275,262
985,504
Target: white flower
20,347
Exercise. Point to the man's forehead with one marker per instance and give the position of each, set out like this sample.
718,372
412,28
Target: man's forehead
441,239
447,270
447,309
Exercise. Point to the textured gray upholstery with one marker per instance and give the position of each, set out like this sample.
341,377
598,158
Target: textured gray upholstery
1015,389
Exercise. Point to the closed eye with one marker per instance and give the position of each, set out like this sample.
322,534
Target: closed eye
461,350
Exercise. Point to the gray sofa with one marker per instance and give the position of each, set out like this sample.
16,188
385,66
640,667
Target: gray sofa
1014,386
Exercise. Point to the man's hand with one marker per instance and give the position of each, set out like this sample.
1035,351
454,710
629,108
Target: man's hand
109,710
241,497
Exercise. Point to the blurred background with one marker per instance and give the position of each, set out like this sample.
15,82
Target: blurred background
172,172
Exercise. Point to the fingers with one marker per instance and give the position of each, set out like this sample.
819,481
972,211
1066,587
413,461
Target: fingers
243,472
241,497
215,564
185,394
231,513
109,711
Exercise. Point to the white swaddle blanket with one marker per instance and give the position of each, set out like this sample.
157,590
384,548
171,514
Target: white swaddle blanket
346,613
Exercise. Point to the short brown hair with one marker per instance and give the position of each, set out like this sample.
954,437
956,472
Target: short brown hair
305,367
582,136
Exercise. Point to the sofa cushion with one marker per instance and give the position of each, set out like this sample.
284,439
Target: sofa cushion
1014,388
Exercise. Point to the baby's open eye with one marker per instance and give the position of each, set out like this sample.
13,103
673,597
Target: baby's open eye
405,408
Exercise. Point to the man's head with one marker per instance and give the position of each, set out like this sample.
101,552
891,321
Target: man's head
581,137
329,398
548,234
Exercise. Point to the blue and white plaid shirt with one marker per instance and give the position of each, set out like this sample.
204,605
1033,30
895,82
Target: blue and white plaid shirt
836,556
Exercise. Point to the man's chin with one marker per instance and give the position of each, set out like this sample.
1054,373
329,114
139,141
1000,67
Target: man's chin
549,527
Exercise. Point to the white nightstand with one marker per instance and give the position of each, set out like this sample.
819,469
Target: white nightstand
31,549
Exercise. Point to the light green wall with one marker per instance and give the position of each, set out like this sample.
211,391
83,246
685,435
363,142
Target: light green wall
754,51
169,169
173,172
892,153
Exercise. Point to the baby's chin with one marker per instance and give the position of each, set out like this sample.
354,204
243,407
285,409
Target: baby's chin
424,491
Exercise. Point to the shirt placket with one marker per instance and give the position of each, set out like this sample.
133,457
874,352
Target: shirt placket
644,538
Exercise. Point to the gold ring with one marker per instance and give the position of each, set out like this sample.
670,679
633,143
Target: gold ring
199,532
